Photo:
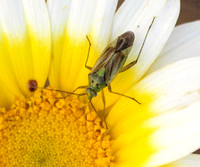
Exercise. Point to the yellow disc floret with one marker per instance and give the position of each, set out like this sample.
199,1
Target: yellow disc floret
51,131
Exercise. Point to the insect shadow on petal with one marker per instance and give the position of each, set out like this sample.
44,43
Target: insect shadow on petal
108,65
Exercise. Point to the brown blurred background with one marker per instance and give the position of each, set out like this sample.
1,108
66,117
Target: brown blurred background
190,11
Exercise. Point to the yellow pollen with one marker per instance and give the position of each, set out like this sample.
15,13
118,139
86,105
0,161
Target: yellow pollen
48,130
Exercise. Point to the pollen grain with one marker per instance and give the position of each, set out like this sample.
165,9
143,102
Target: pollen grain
48,130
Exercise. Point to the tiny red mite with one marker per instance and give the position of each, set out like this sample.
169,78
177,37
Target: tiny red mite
32,85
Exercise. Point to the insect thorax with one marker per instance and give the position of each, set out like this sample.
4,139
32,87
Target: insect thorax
97,80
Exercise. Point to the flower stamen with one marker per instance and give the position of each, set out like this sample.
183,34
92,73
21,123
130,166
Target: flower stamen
45,131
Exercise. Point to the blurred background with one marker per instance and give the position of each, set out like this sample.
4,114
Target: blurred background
190,11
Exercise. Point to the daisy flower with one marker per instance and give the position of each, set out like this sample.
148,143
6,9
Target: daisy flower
40,40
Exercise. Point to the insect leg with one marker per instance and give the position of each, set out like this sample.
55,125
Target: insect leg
86,66
67,93
57,90
90,102
80,87
110,90
81,94
128,66
103,99
104,108
135,61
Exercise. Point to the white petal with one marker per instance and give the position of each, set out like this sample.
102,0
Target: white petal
176,93
183,43
25,44
192,160
138,21
178,134
171,88
175,85
158,140
167,122
71,22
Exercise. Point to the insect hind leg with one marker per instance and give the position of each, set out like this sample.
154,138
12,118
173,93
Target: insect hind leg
120,94
135,61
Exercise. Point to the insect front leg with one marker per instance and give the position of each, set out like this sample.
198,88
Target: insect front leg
104,108
80,87
90,102
120,94
86,66
103,100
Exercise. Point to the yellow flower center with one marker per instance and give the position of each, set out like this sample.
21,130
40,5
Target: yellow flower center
45,130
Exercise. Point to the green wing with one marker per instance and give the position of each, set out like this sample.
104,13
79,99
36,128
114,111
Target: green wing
114,56
114,65
103,59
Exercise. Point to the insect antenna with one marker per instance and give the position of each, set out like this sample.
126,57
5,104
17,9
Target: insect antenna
33,86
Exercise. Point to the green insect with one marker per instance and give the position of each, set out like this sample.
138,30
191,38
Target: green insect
109,64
